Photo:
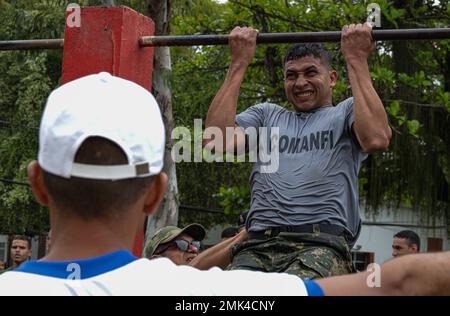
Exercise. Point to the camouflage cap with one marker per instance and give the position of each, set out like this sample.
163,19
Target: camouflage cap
169,233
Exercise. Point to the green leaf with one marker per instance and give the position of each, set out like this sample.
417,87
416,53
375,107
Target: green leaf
394,108
413,127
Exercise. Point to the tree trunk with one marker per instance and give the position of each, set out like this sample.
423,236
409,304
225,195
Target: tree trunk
167,213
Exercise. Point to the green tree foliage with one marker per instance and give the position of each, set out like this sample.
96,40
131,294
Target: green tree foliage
26,78
412,78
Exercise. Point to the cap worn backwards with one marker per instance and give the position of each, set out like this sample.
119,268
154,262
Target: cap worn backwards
102,105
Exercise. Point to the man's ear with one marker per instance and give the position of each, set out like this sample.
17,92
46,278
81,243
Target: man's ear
155,193
36,179
333,78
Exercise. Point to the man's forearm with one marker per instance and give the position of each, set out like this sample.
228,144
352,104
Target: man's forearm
371,123
426,274
422,274
218,255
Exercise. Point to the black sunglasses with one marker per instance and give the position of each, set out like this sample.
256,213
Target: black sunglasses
183,244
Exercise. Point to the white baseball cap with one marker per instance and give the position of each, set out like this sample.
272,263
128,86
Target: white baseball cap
105,106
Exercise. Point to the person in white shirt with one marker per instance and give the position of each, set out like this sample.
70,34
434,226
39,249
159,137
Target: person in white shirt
101,146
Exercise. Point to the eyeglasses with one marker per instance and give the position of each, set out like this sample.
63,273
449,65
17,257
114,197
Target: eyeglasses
183,244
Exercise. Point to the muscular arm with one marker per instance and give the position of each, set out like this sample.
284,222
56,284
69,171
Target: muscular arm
371,124
422,274
222,111
219,255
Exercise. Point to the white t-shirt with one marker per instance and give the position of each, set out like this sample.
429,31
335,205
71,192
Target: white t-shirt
119,273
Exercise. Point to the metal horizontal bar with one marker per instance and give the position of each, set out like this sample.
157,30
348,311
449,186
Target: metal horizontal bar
32,44
274,38
263,38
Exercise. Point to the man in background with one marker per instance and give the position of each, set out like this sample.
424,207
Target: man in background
20,251
181,246
405,242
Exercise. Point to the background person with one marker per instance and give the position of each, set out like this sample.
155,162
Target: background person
20,250
176,244
166,243
405,242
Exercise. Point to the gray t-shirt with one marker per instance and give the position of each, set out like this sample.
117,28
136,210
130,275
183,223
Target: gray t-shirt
317,177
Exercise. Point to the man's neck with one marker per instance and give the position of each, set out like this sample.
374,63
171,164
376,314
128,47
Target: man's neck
16,264
78,239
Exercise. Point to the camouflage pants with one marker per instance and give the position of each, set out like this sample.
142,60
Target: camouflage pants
307,255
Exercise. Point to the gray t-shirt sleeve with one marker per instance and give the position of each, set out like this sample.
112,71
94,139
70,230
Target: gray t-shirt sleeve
254,116
350,119
350,115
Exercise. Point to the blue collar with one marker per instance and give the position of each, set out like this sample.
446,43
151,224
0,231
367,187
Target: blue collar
79,269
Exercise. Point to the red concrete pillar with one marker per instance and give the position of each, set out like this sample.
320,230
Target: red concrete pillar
107,39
